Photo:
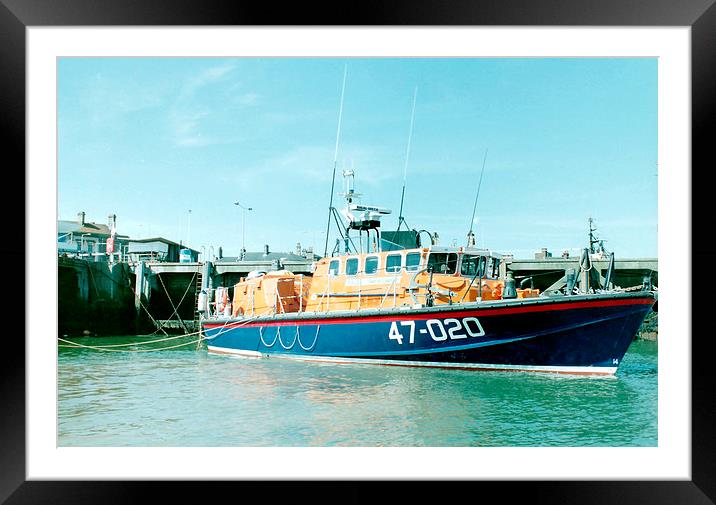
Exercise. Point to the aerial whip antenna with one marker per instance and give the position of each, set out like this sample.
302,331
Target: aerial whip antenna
335,160
407,157
470,235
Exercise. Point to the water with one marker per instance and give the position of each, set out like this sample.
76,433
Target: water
184,397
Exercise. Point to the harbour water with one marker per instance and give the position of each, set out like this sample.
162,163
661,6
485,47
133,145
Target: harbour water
185,397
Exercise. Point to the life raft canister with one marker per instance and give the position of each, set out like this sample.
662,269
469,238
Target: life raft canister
510,289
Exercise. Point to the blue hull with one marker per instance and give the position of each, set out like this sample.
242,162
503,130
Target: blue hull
579,334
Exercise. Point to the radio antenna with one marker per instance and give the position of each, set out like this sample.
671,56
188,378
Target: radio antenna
470,235
407,157
335,160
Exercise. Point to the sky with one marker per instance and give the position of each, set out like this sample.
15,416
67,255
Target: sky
170,144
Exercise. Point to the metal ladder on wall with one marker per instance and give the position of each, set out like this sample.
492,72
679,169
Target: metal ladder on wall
197,290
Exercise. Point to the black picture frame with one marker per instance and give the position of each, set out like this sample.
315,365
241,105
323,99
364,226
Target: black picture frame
700,15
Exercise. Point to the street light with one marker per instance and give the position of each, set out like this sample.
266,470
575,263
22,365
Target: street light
243,224
188,223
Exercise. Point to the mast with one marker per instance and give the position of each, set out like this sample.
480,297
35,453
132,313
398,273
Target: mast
592,237
470,234
401,220
335,160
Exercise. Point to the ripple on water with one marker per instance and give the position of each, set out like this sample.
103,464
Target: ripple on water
185,397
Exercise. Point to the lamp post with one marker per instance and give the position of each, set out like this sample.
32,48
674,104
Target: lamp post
188,224
243,224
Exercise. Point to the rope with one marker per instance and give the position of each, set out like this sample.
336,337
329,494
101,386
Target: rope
139,343
176,309
134,350
109,347
150,334
94,283
139,298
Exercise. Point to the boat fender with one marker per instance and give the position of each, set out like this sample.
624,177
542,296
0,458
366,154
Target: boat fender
201,304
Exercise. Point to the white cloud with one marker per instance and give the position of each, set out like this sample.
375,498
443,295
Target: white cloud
315,163
187,114
248,99
208,76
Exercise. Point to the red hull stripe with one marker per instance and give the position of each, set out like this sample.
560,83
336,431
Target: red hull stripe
461,313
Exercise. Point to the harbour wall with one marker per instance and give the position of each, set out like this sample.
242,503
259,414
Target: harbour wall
94,298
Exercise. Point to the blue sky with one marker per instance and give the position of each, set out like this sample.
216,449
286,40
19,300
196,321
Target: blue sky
149,139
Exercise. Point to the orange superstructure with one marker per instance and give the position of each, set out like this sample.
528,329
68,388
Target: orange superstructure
387,279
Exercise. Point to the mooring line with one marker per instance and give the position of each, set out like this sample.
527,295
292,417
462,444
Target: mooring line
109,347
127,350
139,343
171,302
139,298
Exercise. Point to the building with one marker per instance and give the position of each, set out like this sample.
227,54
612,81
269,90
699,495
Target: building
159,249
543,254
268,257
89,239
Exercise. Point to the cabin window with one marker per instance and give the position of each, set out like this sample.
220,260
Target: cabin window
371,264
412,261
493,268
443,263
351,266
333,267
393,262
473,266
496,269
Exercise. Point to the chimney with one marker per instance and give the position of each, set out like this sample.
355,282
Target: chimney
266,250
81,218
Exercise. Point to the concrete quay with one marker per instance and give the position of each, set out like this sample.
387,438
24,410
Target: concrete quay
545,273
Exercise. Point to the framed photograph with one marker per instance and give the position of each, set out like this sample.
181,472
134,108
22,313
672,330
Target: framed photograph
83,73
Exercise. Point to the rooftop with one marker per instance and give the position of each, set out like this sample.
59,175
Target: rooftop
261,256
75,227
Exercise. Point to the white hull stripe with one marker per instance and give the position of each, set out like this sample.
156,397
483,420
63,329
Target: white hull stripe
579,370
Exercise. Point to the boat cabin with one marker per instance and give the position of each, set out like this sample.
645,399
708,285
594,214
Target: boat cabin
378,280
